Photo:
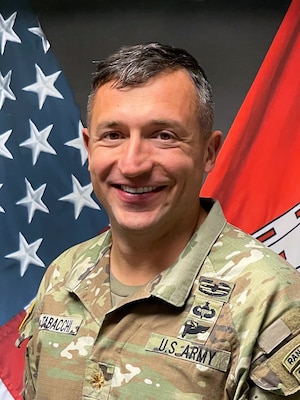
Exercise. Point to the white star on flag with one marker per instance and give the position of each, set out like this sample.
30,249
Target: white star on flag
1,208
6,31
3,149
37,30
26,254
78,144
80,197
33,200
44,86
5,90
38,141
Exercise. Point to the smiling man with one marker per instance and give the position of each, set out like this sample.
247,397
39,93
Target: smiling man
147,155
171,302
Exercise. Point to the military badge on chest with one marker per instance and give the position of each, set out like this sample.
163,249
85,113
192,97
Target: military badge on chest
210,296
190,343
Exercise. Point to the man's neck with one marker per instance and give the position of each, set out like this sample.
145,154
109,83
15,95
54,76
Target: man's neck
138,257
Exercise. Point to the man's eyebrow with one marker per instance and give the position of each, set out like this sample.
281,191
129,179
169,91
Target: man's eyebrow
102,126
171,124
165,123
159,123
107,124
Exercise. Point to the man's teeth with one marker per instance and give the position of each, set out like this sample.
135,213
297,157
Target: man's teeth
138,190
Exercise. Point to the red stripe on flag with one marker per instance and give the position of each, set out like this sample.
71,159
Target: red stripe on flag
12,358
267,235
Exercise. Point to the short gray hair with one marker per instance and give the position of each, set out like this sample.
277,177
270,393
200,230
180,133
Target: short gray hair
135,65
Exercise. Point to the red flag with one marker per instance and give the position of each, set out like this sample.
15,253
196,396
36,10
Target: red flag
12,361
257,171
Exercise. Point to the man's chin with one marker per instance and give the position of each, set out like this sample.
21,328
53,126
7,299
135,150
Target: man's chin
135,228
134,225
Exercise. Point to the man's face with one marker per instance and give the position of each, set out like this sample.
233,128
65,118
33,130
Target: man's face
147,154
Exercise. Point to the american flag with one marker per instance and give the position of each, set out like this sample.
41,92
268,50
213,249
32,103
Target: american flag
46,198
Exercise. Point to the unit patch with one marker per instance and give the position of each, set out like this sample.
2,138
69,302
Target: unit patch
188,351
59,324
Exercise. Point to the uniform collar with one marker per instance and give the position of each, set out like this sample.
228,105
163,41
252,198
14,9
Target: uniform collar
86,259
172,285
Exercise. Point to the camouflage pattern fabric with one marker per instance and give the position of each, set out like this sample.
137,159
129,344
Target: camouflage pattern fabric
223,322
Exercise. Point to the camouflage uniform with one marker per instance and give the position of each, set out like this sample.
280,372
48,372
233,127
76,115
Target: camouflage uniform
223,322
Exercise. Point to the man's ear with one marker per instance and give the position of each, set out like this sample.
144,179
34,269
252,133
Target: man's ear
86,138
213,147
86,141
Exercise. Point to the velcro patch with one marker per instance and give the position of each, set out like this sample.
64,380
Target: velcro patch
189,351
279,372
271,337
60,324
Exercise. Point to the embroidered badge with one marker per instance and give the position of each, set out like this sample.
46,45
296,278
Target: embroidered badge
215,288
60,324
201,319
192,327
98,380
205,311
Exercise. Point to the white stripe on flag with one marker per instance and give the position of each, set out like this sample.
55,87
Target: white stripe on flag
4,393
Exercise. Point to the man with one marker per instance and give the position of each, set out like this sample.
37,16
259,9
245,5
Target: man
172,302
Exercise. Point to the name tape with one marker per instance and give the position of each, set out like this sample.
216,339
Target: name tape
60,324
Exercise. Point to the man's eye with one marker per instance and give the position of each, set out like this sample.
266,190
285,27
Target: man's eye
112,136
165,136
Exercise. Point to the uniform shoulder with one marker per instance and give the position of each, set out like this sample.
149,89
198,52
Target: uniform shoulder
236,250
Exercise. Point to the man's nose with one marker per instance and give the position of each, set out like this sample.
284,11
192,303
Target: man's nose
135,158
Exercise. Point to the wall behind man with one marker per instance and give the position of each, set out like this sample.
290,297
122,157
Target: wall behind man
228,37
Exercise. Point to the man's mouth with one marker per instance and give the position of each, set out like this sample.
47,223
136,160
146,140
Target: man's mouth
139,190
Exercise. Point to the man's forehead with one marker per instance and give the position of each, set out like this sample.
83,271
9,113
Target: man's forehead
127,82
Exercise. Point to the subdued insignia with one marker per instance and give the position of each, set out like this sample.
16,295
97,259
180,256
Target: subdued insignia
60,324
201,319
215,288
98,380
192,327
205,310
188,351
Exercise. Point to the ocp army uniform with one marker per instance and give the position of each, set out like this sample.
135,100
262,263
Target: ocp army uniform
223,322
